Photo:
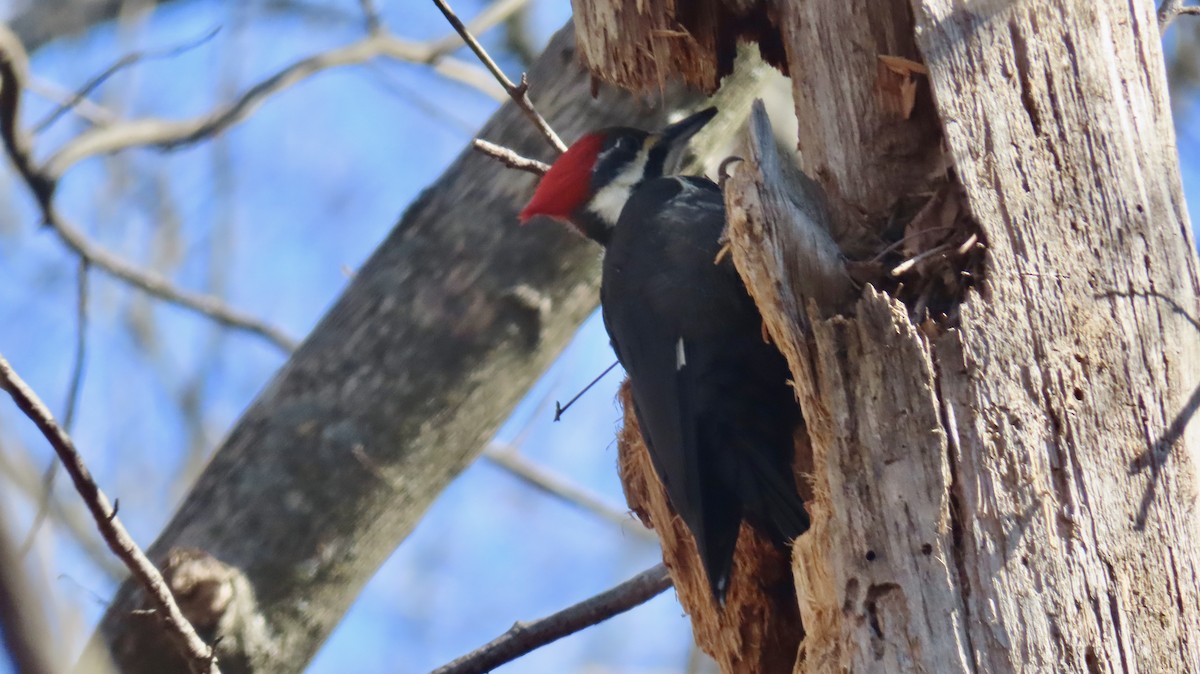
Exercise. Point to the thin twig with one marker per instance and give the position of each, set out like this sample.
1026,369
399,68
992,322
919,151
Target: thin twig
42,185
173,134
198,654
511,159
525,637
547,482
160,287
518,92
86,109
912,262
559,409
487,18
122,63
73,389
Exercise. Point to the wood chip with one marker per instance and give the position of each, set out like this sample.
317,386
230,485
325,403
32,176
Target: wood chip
903,66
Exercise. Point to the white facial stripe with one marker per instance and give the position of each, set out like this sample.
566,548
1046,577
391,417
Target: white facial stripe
609,201
680,355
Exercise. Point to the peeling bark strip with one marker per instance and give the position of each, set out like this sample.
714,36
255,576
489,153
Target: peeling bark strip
1014,491
774,209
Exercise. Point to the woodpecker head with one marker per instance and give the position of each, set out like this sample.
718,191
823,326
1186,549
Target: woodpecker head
589,184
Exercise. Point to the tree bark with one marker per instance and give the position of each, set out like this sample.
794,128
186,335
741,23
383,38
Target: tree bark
1003,468
395,391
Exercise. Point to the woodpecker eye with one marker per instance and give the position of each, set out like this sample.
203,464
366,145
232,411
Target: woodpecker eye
622,149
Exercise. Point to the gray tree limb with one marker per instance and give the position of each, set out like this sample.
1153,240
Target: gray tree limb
395,391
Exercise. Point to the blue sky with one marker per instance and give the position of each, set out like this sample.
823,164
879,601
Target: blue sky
272,216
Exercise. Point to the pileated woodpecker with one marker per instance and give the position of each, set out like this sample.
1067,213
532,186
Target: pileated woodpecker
711,396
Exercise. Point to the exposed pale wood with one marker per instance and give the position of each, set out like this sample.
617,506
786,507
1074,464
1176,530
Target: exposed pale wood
1013,488
855,139
775,210
870,576
1074,375
1063,392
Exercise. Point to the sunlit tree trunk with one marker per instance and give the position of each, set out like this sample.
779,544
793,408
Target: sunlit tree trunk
1001,450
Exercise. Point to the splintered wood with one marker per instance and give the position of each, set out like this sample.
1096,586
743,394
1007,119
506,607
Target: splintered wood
1004,450
641,45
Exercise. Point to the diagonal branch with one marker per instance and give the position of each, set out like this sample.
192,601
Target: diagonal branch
511,461
159,286
171,134
130,59
525,637
518,92
511,159
198,654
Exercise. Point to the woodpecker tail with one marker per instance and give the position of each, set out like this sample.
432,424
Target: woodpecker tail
781,508
765,495
716,538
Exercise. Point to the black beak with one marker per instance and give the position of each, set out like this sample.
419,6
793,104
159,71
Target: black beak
678,133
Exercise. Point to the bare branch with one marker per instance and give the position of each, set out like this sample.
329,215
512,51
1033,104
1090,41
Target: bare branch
1170,9
160,287
197,653
525,637
120,64
508,459
511,159
171,134
84,108
42,184
490,16
519,93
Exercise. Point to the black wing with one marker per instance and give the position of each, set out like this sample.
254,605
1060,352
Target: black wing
710,396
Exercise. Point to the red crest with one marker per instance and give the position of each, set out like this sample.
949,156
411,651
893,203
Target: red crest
568,183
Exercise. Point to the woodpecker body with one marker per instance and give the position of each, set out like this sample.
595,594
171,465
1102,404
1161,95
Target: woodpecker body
711,397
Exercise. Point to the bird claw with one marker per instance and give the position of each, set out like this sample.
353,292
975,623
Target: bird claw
723,170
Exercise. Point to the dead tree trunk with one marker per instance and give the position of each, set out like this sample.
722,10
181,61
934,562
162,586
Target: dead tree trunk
1002,463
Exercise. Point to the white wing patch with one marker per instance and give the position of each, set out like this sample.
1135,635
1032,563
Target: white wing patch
680,355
